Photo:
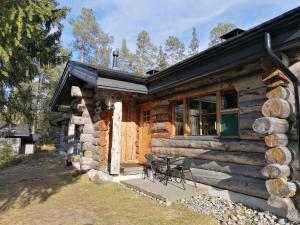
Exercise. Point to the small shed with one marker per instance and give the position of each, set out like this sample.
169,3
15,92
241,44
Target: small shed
18,137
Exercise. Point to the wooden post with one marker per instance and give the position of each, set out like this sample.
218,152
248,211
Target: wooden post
116,138
71,135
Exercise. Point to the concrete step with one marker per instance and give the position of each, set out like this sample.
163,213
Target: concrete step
131,168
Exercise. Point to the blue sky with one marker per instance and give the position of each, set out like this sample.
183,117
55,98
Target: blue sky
125,18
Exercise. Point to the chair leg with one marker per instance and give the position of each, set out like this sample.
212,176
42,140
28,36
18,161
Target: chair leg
145,172
193,179
182,179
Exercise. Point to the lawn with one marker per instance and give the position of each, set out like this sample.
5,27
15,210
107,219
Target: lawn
41,191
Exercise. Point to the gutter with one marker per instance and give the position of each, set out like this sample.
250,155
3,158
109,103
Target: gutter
296,83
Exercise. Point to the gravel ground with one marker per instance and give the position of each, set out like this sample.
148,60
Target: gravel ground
230,213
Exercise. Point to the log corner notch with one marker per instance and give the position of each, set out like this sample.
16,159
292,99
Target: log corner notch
276,123
83,109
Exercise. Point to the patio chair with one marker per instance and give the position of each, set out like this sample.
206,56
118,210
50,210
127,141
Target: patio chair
181,168
153,165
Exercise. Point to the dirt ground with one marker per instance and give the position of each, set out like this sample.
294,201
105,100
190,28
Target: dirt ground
41,191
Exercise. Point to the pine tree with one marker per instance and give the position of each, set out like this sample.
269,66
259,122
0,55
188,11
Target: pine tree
146,52
174,49
218,31
30,33
94,45
162,62
194,46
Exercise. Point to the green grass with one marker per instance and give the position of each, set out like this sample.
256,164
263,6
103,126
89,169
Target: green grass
8,159
42,191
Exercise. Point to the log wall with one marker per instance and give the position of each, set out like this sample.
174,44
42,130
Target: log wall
233,164
277,125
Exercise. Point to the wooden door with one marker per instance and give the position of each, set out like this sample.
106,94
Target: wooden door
144,133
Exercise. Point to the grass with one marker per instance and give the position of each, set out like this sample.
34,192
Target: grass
42,191
8,159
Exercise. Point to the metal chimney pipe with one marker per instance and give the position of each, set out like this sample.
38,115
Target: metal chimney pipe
115,58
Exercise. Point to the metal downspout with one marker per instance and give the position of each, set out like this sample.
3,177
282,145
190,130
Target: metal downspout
290,74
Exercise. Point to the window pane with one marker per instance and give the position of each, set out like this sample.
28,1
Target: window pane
208,125
179,118
229,125
229,99
194,122
208,104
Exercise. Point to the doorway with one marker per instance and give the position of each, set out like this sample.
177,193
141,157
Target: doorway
145,132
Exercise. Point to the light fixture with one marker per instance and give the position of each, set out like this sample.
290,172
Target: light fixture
109,102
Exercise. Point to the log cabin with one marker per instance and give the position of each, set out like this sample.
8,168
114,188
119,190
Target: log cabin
233,108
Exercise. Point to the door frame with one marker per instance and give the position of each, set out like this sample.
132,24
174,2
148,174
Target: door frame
144,107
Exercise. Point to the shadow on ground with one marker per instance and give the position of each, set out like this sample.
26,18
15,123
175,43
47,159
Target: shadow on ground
36,179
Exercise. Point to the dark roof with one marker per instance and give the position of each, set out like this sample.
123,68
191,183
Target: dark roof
242,49
14,130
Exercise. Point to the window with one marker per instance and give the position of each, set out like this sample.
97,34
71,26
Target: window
178,120
213,114
146,116
229,113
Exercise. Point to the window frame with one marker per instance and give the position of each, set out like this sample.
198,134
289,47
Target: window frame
219,113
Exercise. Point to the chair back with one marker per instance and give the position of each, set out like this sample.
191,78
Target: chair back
150,158
186,164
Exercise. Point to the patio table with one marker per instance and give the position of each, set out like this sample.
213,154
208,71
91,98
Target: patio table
167,174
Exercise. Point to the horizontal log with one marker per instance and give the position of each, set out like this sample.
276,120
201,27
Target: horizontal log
160,126
87,153
276,107
276,171
224,145
96,141
88,146
274,77
287,206
88,129
160,110
80,120
279,155
276,140
96,134
81,92
269,125
86,113
160,103
64,108
230,168
246,120
280,187
278,92
86,138
252,94
160,135
250,134
160,118
236,183
233,157
251,106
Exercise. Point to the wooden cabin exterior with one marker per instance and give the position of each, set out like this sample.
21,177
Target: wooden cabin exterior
231,108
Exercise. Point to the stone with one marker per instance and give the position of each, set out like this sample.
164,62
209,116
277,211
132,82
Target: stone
94,176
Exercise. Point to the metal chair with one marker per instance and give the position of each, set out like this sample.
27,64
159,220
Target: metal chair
181,168
152,164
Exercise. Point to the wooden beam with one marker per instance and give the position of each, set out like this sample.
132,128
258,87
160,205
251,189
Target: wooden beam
116,139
